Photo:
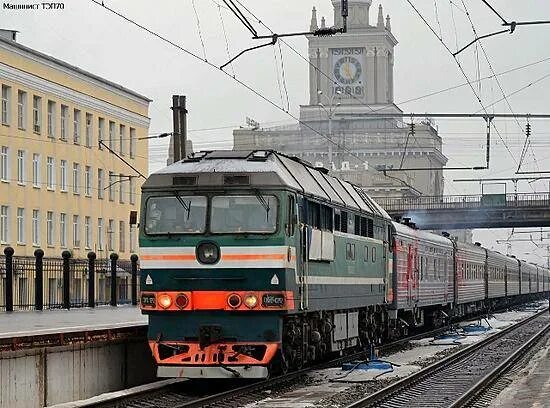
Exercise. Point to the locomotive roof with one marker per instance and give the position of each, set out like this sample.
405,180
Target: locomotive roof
261,169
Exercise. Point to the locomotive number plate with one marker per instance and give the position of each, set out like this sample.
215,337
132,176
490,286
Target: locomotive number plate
148,300
273,300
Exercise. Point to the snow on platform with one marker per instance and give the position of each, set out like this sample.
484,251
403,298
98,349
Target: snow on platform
51,322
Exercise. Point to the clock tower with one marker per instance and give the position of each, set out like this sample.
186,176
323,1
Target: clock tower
356,67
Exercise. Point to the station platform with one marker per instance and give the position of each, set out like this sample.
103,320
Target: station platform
56,356
24,329
532,387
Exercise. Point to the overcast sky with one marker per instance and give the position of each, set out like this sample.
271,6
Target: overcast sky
92,38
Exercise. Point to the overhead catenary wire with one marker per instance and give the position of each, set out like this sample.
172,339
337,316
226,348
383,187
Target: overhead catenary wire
234,78
463,73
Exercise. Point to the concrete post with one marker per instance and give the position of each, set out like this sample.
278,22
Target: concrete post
114,258
39,280
9,278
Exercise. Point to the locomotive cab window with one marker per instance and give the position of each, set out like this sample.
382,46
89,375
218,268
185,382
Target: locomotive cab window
244,214
175,215
291,216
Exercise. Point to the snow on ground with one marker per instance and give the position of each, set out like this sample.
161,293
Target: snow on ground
422,353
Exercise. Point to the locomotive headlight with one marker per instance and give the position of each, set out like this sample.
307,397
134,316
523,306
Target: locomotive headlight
250,301
182,301
234,301
208,253
164,301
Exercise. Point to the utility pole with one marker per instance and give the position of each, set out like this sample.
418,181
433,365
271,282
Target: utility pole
179,137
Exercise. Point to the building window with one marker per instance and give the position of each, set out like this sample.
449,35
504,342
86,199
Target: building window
110,236
132,238
51,119
88,232
4,164
22,110
76,231
112,135
64,122
89,129
100,234
88,181
122,139
121,236
100,188
35,227
36,170
63,230
133,141
6,103
49,228
20,225
111,186
121,189
76,178
63,178
132,190
36,113
4,224
100,131
21,167
76,126
50,173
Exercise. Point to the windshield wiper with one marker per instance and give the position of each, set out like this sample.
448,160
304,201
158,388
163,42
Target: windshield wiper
264,203
186,206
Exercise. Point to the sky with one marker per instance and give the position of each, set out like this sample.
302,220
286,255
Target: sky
89,36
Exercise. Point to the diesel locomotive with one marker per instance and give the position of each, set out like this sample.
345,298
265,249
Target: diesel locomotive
253,261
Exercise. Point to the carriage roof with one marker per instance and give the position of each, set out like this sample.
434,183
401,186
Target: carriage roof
261,169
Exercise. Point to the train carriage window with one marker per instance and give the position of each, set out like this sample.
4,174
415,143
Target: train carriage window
373,254
351,224
243,214
370,228
363,227
421,268
344,221
350,252
357,229
337,218
175,215
366,255
313,214
326,218
435,269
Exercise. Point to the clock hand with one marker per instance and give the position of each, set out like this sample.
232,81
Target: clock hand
347,71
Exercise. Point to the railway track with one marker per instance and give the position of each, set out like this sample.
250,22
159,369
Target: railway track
194,394
459,379
191,394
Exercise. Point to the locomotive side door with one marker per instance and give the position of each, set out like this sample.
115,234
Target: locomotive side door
302,250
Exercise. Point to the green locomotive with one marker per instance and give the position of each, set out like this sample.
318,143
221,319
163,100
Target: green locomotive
255,259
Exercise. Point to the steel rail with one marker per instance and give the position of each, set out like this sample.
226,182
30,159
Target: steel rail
401,388
486,382
185,399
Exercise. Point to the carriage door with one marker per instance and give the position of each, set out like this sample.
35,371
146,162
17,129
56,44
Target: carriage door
411,262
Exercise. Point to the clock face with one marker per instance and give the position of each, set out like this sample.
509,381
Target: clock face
348,70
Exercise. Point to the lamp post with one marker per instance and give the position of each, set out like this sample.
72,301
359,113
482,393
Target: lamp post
330,111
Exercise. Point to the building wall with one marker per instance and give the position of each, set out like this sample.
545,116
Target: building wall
56,83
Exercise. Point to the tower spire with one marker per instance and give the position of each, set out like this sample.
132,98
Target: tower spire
380,17
313,26
388,23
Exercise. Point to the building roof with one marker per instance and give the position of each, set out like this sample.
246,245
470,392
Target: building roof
49,58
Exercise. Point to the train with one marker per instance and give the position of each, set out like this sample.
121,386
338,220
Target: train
254,261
